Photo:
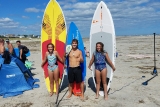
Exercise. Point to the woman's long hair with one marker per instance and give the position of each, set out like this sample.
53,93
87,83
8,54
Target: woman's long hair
52,47
102,45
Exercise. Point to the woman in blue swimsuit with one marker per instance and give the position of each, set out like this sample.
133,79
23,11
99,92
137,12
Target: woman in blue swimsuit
99,59
53,70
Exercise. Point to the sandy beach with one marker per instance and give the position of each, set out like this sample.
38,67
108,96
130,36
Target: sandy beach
135,59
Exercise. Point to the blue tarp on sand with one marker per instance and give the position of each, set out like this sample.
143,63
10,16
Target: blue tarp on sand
16,52
12,79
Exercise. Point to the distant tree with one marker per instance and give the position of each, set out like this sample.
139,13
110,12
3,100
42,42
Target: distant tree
32,36
25,36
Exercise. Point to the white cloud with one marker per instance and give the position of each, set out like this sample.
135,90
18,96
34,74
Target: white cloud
1,24
25,17
80,5
30,29
79,11
5,19
133,3
23,27
85,5
8,23
11,26
63,2
33,9
155,5
126,13
38,16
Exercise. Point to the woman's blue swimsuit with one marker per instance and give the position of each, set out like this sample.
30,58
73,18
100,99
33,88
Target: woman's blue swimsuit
52,59
100,61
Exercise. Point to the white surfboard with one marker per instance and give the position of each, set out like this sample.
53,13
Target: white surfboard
102,30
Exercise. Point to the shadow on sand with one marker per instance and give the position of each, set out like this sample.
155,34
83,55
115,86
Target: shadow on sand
91,84
65,83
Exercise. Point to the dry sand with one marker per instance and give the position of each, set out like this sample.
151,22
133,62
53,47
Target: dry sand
126,89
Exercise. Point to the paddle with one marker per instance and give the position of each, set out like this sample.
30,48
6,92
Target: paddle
146,82
68,49
154,70
155,73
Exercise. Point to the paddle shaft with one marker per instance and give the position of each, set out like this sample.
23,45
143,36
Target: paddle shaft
154,52
151,78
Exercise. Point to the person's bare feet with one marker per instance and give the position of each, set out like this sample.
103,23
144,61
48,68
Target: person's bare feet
97,96
82,97
51,93
106,97
56,93
69,95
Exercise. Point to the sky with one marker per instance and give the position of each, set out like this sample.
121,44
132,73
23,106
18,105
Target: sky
130,17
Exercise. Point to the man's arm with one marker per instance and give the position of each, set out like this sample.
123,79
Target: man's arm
65,56
21,52
10,48
81,57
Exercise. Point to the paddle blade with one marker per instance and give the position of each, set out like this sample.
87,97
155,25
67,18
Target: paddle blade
145,83
68,49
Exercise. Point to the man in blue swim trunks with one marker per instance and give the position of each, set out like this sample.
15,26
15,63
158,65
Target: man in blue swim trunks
74,71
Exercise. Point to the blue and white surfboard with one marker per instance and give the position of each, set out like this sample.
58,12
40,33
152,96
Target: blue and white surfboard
74,33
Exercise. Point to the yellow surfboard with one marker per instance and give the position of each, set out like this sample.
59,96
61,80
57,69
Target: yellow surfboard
53,31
